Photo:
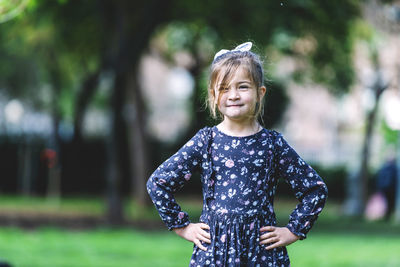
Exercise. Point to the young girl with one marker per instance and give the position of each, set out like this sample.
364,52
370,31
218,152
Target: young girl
240,163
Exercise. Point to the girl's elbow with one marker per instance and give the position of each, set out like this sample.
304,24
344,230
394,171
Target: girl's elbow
149,185
325,190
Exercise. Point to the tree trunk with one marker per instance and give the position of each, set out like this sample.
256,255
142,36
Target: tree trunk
54,162
137,37
138,143
25,167
82,101
114,21
133,24
365,156
115,213
357,202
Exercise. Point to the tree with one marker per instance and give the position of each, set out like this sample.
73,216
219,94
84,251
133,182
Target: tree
379,23
98,36
40,62
54,51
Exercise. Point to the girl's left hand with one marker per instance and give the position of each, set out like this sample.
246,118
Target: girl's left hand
277,237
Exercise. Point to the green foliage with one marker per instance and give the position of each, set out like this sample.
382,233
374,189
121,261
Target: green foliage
390,136
51,47
362,30
282,23
58,42
195,37
10,9
66,103
318,33
283,40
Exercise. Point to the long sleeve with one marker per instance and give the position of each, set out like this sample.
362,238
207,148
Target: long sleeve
171,176
307,185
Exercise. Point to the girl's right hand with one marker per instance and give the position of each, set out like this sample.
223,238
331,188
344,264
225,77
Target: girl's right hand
194,232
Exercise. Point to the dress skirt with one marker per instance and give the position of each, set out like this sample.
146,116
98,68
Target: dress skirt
235,242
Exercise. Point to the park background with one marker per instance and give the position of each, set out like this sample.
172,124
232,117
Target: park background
94,95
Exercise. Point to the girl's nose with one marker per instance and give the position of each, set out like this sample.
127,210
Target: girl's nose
233,93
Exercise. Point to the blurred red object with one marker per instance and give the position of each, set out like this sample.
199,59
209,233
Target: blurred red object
49,156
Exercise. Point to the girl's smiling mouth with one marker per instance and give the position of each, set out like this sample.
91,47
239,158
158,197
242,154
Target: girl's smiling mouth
236,105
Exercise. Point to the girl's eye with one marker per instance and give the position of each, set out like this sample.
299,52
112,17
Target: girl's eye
224,89
243,87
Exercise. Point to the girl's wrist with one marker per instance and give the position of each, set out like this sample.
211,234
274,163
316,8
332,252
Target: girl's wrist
179,229
294,235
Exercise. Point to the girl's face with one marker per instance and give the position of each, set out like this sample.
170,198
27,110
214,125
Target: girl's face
237,100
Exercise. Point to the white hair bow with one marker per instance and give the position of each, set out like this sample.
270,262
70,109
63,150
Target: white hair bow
241,48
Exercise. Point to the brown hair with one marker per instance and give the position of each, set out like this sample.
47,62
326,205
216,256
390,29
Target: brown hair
222,70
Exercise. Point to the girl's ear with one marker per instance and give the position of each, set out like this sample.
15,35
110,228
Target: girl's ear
261,92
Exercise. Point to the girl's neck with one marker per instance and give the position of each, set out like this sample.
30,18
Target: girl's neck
242,128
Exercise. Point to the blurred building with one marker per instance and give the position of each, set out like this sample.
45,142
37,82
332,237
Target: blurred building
330,130
167,90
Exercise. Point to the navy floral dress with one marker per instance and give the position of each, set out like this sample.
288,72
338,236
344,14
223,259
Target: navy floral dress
239,177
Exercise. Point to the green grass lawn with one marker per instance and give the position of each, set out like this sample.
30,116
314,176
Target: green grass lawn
126,247
100,247
333,249
334,241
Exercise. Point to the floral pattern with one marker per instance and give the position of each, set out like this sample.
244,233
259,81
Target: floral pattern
239,177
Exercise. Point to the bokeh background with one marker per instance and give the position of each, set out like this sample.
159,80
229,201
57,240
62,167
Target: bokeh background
94,95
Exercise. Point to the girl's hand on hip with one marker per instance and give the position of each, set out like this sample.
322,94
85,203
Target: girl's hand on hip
194,232
277,237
